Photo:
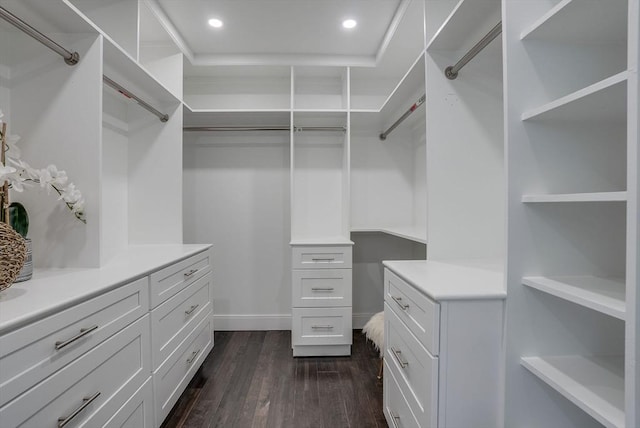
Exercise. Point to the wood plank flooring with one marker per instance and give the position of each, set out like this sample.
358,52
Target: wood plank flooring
251,380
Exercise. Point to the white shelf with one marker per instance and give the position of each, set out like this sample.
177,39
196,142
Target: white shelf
594,384
409,233
200,117
605,295
604,101
577,197
584,22
469,21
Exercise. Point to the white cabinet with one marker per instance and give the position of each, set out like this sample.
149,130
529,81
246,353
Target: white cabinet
572,276
443,341
106,358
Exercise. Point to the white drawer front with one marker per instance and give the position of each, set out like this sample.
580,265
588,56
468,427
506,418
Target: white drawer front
312,257
321,326
109,374
417,311
415,369
137,412
34,352
396,408
172,279
172,321
170,380
321,287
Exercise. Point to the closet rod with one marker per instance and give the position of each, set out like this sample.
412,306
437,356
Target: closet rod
71,58
452,71
264,128
406,114
163,117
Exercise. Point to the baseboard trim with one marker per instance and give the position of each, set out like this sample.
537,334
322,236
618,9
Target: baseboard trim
236,322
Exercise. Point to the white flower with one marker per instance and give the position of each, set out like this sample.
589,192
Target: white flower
6,172
12,147
70,194
78,207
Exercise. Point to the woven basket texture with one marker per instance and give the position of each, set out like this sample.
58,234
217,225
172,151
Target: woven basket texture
13,251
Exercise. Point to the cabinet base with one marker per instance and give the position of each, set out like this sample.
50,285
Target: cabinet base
322,351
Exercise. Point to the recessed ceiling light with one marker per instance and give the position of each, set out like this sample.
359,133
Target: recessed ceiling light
349,23
215,23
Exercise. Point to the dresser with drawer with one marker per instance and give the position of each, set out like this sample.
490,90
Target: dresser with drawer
108,347
321,317
443,345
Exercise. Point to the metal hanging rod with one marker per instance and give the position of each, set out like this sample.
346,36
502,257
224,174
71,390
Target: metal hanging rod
163,117
71,58
264,128
452,71
406,114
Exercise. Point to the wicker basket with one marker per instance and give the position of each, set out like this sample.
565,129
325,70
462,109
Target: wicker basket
13,251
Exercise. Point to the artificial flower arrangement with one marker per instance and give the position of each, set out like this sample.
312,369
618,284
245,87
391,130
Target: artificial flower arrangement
17,175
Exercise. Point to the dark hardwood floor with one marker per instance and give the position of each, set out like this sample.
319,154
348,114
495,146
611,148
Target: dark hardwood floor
251,380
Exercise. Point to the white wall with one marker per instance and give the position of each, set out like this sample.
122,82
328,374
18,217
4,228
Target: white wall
236,196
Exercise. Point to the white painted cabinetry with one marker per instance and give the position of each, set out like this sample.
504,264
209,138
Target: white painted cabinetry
85,346
443,341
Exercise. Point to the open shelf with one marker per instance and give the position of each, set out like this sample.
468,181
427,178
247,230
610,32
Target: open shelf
577,197
604,101
605,295
469,21
582,22
410,233
594,384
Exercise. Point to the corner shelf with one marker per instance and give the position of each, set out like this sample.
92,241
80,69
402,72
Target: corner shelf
607,23
594,384
605,295
408,233
577,197
604,101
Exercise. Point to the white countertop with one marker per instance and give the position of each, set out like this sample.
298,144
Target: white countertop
452,280
51,290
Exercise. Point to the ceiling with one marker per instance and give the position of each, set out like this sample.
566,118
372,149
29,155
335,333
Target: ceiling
280,32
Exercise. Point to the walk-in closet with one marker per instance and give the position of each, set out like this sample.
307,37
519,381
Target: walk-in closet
284,213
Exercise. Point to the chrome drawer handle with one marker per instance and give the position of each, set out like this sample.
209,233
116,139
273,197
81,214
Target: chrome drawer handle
323,259
322,327
322,289
83,332
85,402
191,272
397,353
191,309
398,300
394,418
193,357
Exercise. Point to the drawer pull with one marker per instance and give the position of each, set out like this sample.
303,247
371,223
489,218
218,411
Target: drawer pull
322,327
85,402
398,300
191,272
191,309
322,289
328,259
397,353
394,418
193,356
83,332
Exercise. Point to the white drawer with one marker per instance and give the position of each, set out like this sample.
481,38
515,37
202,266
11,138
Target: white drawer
396,408
32,353
415,369
173,376
172,279
321,326
417,311
137,412
320,257
321,287
172,321
108,374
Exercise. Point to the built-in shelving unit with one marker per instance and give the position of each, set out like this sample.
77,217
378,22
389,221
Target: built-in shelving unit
572,269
